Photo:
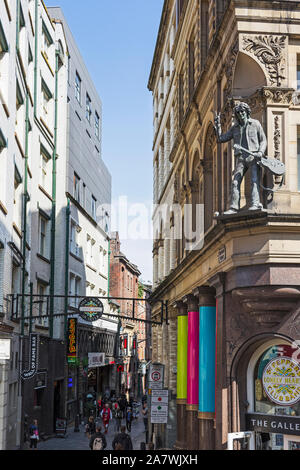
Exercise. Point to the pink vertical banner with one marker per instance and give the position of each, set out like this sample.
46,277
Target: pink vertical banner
193,359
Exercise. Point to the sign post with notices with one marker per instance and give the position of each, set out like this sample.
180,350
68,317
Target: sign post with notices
156,376
159,406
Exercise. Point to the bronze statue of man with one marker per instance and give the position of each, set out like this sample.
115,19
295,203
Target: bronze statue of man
247,134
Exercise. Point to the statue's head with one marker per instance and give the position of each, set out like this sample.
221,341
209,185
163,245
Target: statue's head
242,112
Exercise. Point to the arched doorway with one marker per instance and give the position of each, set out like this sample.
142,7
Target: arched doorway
267,394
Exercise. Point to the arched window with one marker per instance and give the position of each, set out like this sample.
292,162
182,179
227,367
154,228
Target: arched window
209,177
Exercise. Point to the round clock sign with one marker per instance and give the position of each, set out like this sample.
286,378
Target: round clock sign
281,381
90,309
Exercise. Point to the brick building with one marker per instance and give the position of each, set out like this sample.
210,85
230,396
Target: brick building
124,283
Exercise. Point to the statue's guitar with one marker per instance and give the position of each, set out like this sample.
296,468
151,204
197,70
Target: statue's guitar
275,166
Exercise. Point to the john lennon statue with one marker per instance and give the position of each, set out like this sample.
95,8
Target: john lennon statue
250,146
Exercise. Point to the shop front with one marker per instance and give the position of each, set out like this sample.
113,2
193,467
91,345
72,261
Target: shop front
272,418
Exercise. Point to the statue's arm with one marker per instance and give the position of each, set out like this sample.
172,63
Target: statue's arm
262,139
222,138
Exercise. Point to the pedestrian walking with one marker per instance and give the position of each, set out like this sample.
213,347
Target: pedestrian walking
129,418
123,405
106,416
117,415
145,415
100,405
90,428
98,441
34,434
122,439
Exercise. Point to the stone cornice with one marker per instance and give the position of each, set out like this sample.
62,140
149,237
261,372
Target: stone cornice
159,43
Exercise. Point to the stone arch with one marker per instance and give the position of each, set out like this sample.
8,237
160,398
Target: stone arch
248,77
239,373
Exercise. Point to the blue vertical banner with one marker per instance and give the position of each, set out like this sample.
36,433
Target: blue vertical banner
207,359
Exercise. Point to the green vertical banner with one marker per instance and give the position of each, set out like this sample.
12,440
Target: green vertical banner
182,354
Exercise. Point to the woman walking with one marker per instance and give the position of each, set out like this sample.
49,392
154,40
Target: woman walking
34,435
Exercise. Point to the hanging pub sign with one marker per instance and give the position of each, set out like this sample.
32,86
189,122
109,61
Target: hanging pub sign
281,381
90,309
33,358
72,340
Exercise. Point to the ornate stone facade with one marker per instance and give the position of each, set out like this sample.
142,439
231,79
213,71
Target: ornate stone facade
249,263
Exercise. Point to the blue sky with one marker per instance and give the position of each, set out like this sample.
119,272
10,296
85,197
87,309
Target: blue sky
117,40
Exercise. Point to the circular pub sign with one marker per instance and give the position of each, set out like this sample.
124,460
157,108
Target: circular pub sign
90,309
281,381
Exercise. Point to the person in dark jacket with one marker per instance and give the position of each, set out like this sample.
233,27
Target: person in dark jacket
90,428
123,405
129,418
123,439
95,439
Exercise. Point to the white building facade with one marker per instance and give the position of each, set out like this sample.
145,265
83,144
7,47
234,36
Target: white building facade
51,243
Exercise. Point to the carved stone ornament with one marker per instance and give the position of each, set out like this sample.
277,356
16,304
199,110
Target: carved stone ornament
277,136
269,51
278,96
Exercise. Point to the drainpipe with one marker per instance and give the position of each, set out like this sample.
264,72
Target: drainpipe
68,213
18,26
53,213
25,201
36,54
20,419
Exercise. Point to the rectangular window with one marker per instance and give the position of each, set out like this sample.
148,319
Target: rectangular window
179,8
3,40
97,125
15,278
47,39
88,108
181,98
42,290
46,103
45,174
74,240
78,88
76,187
42,236
83,195
94,203
191,68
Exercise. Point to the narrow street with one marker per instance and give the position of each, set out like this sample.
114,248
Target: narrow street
79,441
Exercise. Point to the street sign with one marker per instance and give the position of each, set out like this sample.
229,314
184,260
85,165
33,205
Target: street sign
156,376
160,397
159,406
96,360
